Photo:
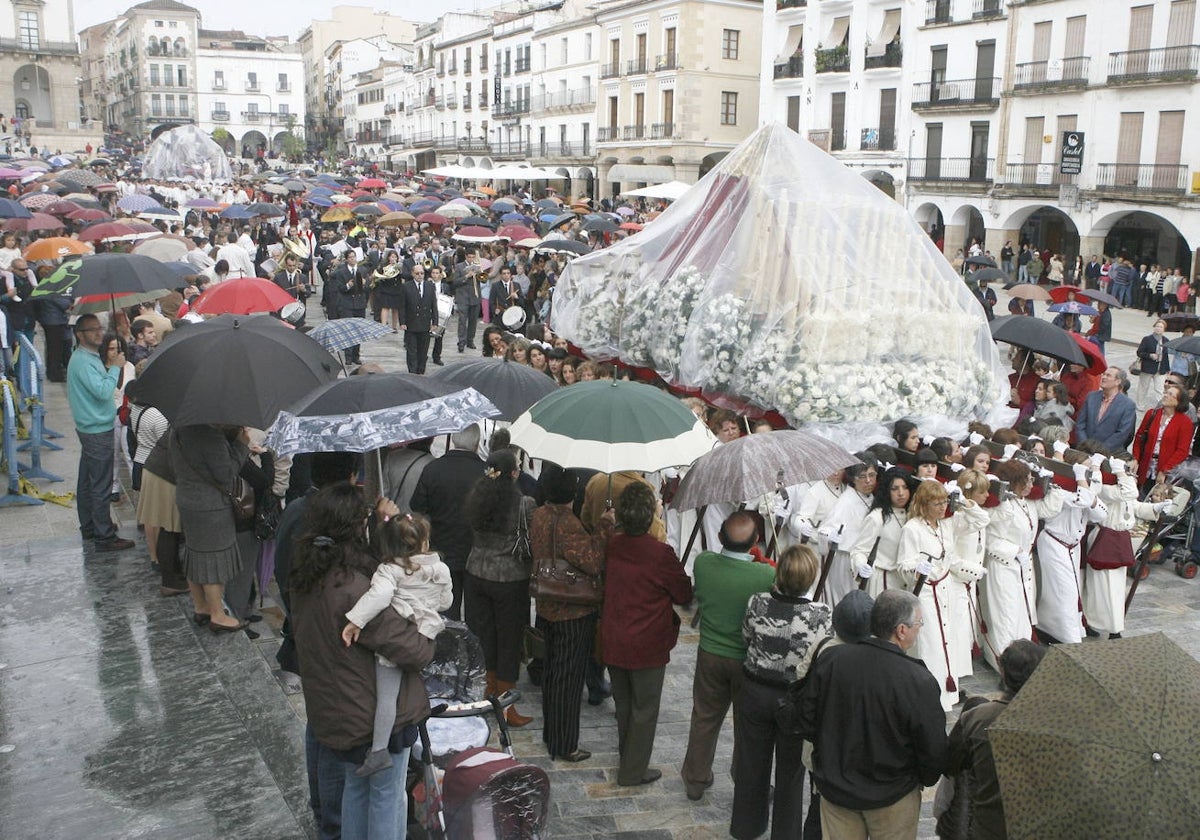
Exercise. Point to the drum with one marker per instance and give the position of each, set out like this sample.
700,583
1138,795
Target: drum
513,318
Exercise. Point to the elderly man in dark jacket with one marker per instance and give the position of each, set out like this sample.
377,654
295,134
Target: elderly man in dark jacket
876,723
441,494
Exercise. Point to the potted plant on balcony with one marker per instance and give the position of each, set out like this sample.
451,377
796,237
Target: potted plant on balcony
833,60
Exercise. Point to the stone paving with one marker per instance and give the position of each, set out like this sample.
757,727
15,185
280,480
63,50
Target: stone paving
121,719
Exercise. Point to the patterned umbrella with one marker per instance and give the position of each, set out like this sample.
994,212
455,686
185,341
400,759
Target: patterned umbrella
346,332
1098,743
136,203
755,465
39,201
612,426
80,177
362,413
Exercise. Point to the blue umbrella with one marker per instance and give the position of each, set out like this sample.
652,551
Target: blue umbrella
547,217
559,221
346,332
548,204
1072,307
136,203
10,209
320,200
181,268
235,211
503,206
423,205
512,217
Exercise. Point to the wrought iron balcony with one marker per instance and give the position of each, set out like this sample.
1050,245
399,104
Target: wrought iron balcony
937,11
565,99
892,54
474,145
608,133
984,9
452,69
220,116
961,94
521,65
878,139
635,66
662,131
1035,76
1027,175
452,102
511,149
1142,178
439,102
610,71
790,4
633,132
1165,64
836,60
952,170
793,68
467,102
666,61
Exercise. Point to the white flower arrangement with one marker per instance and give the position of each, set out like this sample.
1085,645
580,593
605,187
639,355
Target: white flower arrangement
655,321
721,334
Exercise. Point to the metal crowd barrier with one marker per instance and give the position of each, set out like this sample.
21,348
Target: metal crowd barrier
30,378
14,496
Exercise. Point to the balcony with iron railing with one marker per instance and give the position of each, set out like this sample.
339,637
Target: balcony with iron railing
473,145
780,5
892,54
1037,76
389,109
452,69
565,100
1142,178
981,94
441,71
608,133
466,67
511,149
396,140
556,150
1165,64
878,139
467,102
521,65
635,66
513,108
369,136
483,100
452,102
835,60
666,61
19,45
662,131
633,132
985,9
1026,176
937,11
220,116
610,71
445,143
252,116
439,102
793,68
252,86
952,170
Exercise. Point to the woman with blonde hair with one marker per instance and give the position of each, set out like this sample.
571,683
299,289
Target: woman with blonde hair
779,628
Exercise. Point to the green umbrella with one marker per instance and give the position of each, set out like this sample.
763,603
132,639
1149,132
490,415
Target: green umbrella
612,426
1102,743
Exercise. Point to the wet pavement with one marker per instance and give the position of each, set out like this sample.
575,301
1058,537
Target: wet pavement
119,718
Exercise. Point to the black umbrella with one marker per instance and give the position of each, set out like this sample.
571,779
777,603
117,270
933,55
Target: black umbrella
600,226
989,274
981,261
1039,336
1188,344
1097,296
235,370
564,246
263,208
468,221
1178,321
106,274
560,220
512,387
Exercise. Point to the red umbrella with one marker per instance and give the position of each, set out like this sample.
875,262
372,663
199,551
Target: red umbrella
367,194
38,221
139,226
242,296
105,230
86,215
515,233
61,208
1061,294
634,226
433,219
476,233
1096,362
372,184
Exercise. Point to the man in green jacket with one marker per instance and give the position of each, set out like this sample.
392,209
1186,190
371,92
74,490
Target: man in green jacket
724,583
92,377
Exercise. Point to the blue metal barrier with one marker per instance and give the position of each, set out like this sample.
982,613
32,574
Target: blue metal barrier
14,496
31,374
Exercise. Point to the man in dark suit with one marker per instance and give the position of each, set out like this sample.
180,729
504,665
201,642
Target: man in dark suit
418,315
505,293
350,283
441,494
290,278
466,299
1108,415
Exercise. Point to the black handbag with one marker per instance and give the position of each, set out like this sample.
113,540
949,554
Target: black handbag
554,579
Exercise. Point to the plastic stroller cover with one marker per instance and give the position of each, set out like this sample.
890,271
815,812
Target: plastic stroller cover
186,152
456,674
785,281
489,795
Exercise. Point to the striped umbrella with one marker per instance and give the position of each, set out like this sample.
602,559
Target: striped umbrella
612,426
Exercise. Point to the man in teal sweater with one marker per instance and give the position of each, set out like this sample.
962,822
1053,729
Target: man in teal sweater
723,586
91,381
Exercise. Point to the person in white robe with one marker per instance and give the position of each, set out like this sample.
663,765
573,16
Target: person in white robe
964,602
928,555
880,533
1060,596
842,527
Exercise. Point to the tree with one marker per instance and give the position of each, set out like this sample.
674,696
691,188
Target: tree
294,146
222,137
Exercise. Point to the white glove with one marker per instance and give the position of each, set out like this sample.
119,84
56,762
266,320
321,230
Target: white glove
1097,461
825,533
807,530
1159,507
975,438
927,440
1117,465
1060,446
1081,473
951,487
865,571
779,509
924,567
1009,451
957,468
1045,473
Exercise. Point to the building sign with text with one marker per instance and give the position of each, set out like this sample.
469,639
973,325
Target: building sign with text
1071,162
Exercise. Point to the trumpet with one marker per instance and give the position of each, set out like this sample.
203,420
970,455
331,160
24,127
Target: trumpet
428,265
481,276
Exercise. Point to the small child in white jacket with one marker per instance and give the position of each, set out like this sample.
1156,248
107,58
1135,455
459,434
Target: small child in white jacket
416,584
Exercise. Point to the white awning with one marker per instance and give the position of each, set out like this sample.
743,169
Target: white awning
411,152
672,191
837,33
891,25
795,35
650,173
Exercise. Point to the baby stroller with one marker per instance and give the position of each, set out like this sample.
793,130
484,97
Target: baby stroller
468,791
1174,537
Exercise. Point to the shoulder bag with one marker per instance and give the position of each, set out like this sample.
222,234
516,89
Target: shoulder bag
554,579
241,497
1112,549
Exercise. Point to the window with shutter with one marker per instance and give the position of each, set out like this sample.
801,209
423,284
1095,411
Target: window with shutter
1167,152
1129,148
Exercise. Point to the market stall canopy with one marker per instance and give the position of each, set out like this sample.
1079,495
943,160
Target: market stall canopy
186,152
783,280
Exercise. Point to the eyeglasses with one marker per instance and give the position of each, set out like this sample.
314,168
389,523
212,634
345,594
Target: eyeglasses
916,625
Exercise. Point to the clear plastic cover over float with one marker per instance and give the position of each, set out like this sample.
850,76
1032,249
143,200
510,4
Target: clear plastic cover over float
186,153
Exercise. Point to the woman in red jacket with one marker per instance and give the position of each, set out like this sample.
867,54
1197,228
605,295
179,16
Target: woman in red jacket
1163,440
639,627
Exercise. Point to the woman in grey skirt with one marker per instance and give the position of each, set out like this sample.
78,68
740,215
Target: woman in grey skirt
206,459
